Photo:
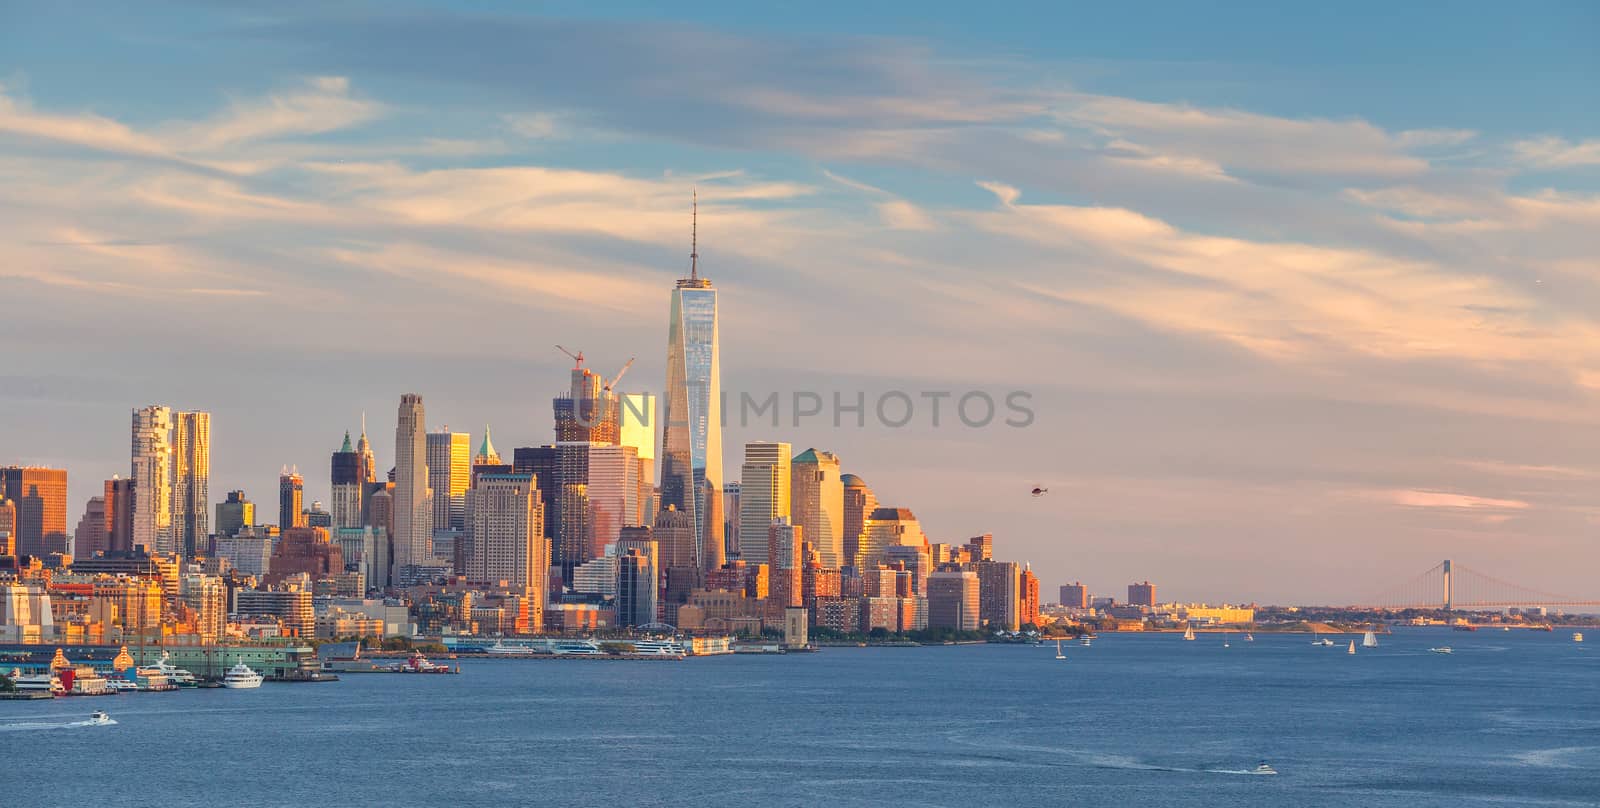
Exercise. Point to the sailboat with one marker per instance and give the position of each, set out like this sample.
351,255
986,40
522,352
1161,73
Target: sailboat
1188,632
1059,655
1248,637
1370,640
1352,647
1225,643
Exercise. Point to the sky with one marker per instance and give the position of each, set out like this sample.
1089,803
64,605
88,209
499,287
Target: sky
1302,300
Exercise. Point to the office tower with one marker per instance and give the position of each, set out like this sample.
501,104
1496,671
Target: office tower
507,531
291,497
120,509
542,462
691,440
588,416
367,467
449,472
1029,597
981,548
913,559
316,516
92,534
637,428
249,551
486,455
207,596
307,550
613,495
885,527
8,526
953,600
763,495
783,559
152,479
816,504
1075,595
859,503
730,517
1142,594
674,532
413,528
191,482
40,498
234,513
348,489
1000,594
638,579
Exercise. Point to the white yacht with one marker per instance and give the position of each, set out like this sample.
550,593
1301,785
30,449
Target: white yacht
240,676
175,674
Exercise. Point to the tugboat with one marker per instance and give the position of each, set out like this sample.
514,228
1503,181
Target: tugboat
241,676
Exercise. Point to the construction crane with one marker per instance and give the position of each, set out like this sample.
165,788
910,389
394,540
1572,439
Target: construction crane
613,383
576,357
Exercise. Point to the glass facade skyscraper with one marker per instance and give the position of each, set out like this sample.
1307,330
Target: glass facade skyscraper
691,444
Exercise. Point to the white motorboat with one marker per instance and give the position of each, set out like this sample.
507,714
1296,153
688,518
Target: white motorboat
241,676
1443,649
1263,768
99,718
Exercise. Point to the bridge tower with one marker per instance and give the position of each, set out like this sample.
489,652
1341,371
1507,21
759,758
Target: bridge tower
1448,594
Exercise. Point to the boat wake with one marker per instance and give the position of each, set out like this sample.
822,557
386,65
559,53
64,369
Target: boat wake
31,726
1558,758
1105,760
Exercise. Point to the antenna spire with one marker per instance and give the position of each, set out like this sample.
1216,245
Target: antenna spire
694,235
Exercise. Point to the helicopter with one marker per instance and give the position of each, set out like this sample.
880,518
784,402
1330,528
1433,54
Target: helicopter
1039,491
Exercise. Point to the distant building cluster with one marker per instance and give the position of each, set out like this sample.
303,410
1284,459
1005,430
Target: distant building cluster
624,521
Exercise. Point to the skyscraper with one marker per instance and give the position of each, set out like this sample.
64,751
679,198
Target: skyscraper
120,509
486,455
8,526
413,528
291,496
367,469
731,502
92,534
449,472
191,482
152,479
613,495
953,600
234,513
507,532
764,488
817,504
691,442
586,418
638,429
638,578
859,503
999,594
1142,594
885,527
783,558
40,498
348,489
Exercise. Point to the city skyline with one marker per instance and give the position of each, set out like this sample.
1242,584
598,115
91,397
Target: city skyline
1273,329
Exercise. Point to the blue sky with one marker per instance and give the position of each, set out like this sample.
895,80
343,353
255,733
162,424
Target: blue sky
1305,295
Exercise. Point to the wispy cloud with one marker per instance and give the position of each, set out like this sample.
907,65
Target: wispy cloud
1557,152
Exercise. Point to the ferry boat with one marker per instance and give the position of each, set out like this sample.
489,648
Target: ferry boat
671,648
241,676
122,685
38,681
501,649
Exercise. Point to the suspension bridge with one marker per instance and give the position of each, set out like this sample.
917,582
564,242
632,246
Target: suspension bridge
1451,586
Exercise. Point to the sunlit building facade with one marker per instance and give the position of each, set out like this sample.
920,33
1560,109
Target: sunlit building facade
691,445
764,490
816,504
